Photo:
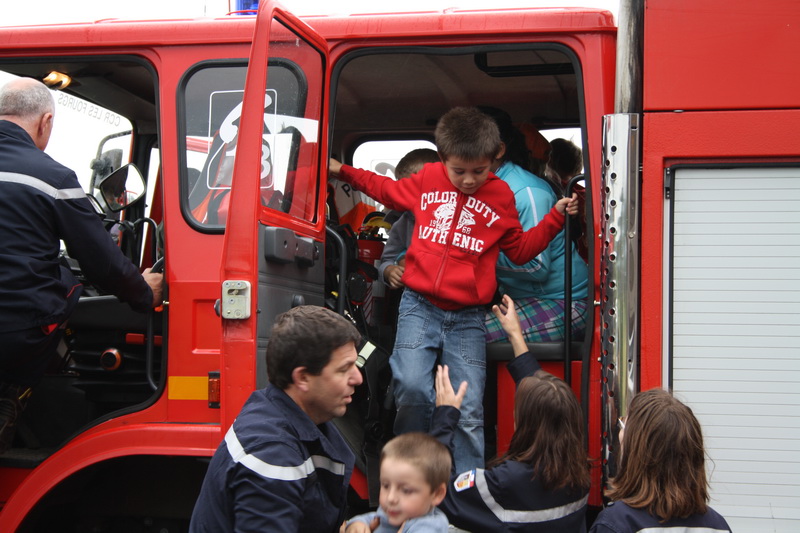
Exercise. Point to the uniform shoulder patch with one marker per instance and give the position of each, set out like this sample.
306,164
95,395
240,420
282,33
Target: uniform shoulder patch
464,481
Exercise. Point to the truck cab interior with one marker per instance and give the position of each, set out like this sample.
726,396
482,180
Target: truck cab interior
383,95
388,94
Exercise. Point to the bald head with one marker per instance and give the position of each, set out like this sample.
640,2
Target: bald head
29,104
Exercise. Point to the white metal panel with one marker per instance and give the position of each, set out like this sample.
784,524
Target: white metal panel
735,359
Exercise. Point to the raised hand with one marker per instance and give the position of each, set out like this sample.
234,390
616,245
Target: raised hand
445,394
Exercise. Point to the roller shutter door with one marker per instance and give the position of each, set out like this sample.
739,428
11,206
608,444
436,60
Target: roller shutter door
734,358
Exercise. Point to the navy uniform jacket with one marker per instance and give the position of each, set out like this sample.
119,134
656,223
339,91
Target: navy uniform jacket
275,471
41,203
620,518
507,497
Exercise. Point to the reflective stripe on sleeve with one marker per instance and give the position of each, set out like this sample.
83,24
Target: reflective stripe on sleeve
523,517
682,529
36,183
284,473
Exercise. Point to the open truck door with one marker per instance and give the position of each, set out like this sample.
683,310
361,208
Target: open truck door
273,256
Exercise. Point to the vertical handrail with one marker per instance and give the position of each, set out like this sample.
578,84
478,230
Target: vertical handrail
150,340
568,285
342,268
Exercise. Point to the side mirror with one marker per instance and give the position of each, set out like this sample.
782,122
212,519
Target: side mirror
122,188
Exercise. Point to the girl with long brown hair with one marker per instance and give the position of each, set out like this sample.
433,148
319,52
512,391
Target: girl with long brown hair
661,482
541,483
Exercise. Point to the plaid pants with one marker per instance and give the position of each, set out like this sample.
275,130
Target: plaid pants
541,320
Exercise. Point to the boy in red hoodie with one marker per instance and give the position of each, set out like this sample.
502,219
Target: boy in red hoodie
464,216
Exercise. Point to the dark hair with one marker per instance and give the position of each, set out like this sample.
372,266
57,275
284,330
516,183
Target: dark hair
467,133
413,161
549,434
566,160
662,466
305,337
424,452
516,149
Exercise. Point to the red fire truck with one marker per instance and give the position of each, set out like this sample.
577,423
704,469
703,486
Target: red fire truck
687,113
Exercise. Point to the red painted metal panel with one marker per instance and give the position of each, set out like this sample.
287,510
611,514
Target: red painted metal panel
505,408
721,54
478,24
716,137
183,440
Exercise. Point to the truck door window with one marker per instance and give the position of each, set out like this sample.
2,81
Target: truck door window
87,138
292,111
212,107
212,101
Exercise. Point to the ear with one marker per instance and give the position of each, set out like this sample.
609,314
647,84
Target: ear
300,379
45,123
501,151
439,494
44,127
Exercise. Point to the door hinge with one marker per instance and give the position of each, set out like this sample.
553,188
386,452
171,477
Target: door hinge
235,301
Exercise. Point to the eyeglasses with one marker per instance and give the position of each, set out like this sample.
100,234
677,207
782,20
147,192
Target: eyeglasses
621,423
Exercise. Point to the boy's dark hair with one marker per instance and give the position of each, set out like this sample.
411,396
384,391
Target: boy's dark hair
306,336
424,452
413,161
549,434
467,133
662,466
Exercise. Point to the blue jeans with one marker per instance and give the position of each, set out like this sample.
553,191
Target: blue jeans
423,332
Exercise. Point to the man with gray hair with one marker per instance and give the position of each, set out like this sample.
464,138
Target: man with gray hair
41,204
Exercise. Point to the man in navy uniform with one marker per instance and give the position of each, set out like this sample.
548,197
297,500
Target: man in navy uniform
41,204
283,465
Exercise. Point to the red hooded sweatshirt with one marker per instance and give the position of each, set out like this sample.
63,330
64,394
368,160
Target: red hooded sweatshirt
455,268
